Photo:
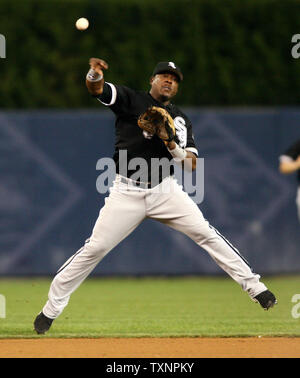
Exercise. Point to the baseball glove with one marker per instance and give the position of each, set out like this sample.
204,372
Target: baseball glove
158,121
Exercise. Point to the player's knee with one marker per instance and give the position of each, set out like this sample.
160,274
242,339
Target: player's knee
204,235
97,248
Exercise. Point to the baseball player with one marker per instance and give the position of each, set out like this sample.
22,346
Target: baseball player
148,125
289,162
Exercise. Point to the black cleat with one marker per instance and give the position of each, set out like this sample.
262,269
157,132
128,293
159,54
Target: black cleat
42,323
266,299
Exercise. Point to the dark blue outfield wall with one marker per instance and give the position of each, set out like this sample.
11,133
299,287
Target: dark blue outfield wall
49,201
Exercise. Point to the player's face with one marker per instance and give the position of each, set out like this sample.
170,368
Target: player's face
164,86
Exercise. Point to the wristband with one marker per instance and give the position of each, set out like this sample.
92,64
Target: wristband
178,153
93,76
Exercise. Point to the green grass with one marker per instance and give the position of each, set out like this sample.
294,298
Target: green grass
136,307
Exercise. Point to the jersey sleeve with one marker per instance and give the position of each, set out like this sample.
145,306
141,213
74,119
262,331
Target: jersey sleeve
116,97
190,142
291,153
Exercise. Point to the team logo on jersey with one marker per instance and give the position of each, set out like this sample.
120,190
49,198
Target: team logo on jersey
171,64
181,131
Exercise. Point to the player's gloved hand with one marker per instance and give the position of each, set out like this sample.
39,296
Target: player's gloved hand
158,121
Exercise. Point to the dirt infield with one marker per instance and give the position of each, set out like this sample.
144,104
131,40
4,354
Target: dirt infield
152,348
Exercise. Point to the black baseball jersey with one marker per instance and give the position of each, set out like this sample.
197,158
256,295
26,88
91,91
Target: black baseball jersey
128,104
292,153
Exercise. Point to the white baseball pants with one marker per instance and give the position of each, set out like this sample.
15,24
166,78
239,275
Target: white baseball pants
125,208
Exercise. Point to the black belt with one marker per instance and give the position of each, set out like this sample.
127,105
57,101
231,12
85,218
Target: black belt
138,184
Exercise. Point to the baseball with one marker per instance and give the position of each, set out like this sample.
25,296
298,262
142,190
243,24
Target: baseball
82,24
